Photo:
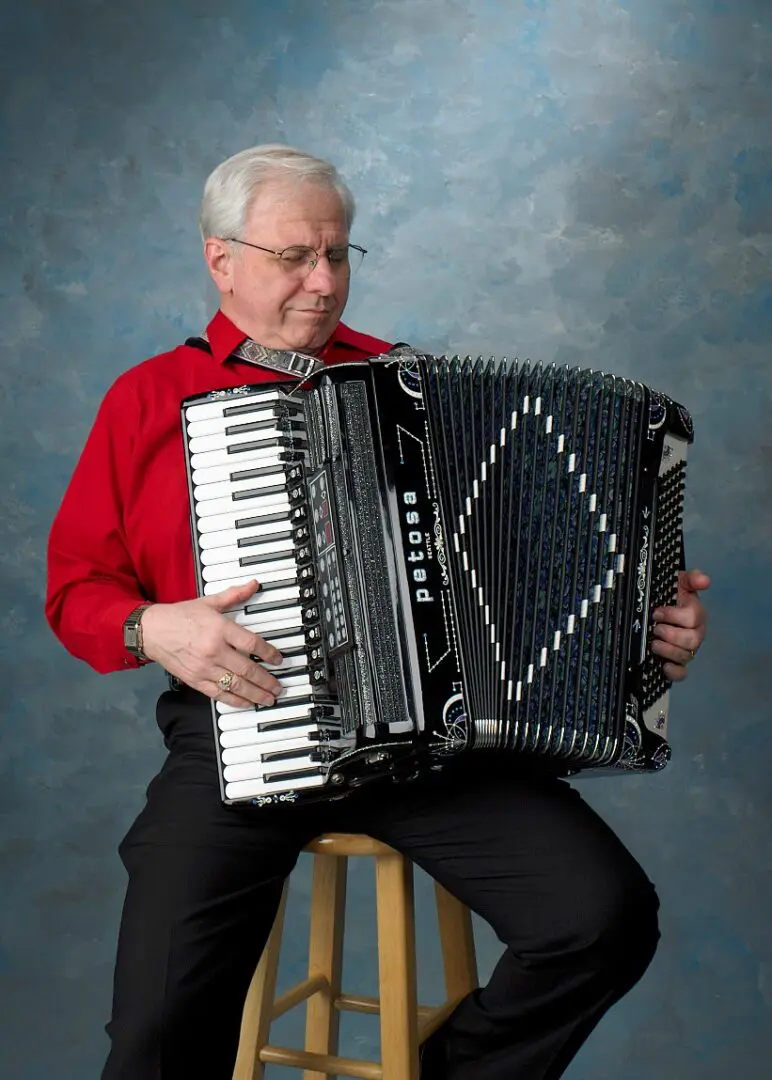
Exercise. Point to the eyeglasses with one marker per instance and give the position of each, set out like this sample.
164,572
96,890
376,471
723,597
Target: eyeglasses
299,258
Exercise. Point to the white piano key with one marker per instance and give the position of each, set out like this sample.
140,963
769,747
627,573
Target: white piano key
253,789
260,413
294,691
217,556
260,425
254,439
293,683
248,461
225,538
257,440
256,770
279,751
241,615
201,429
236,731
287,664
217,408
234,718
224,489
259,545
237,518
222,571
273,571
267,601
267,622
284,644
235,754
293,741
286,596
265,504
222,457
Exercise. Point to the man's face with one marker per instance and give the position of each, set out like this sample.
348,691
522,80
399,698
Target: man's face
280,306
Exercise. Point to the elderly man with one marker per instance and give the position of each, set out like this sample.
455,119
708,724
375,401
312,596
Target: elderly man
575,912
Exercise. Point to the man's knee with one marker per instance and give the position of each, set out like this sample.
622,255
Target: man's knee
604,922
174,1038
619,929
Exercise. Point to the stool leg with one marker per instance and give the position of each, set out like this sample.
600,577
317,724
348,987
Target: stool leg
325,955
256,1018
396,963
458,952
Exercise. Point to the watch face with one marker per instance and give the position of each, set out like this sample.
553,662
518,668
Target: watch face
132,632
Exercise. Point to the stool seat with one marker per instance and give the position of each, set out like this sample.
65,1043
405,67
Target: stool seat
404,1023
344,844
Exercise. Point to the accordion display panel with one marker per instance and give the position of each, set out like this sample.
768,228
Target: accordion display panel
456,558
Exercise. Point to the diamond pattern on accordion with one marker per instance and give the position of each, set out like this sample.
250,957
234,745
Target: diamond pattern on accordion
538,527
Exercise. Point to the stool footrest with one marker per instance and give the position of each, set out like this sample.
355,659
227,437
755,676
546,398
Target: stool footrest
299,994
324,1063
358,1003
362,1004
431,1019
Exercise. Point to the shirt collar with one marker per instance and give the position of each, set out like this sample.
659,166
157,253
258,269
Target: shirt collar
224,336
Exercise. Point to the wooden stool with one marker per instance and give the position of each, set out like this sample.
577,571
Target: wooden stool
404,1023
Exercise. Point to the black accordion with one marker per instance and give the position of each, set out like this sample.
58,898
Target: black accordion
456,558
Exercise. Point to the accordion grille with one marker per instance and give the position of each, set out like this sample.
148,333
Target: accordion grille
667,559
535,471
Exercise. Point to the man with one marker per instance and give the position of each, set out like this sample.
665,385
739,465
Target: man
576,913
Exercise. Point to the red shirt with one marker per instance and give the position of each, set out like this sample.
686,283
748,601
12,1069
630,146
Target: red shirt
122,533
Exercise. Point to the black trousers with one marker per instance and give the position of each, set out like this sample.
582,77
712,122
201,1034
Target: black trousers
574,911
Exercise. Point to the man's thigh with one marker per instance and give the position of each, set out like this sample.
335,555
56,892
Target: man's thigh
528,855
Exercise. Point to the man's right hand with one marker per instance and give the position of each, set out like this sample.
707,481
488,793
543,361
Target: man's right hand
196,642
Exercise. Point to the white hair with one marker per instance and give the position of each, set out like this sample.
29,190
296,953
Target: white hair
230,189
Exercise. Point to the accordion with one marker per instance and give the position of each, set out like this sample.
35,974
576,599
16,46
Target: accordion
456,557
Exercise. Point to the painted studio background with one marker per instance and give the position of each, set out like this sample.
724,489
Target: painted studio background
586,181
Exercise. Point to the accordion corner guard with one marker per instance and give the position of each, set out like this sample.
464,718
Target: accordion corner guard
456,558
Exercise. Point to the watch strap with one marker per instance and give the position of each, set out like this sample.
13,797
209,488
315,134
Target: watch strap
132,632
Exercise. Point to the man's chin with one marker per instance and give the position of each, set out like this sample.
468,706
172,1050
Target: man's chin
312,338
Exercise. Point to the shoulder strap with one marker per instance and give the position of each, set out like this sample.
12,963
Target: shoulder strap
198,343
286,363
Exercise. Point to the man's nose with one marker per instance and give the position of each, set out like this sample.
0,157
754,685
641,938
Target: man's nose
322,278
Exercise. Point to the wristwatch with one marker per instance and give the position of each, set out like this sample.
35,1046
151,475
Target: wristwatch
132,632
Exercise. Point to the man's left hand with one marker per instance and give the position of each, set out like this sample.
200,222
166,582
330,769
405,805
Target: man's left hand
680,630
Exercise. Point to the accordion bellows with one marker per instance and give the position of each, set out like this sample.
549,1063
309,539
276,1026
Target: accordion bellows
456,558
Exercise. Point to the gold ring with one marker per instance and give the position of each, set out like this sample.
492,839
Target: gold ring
692,653
225,682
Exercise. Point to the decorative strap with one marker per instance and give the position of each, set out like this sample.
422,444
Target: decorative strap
299,365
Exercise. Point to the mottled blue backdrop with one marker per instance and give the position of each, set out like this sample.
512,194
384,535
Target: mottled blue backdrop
588,181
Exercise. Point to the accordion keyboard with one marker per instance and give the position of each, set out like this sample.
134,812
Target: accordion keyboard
246,457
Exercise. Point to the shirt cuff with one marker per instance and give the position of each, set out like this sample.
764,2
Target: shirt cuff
113,618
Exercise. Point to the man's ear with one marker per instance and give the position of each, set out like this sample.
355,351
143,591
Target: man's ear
219,259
